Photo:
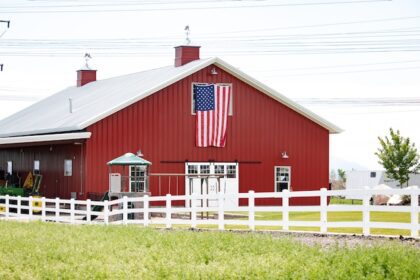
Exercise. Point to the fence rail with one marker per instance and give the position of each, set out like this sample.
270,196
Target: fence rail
140,210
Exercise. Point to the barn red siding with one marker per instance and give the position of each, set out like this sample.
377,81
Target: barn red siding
162,126
51,157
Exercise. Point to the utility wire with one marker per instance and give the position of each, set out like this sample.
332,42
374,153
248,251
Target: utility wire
143,9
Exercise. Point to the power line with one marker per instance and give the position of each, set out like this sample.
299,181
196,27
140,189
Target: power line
348,72
133,9
339,66
321,25
393,101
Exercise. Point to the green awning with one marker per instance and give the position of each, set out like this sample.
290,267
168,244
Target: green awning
129,159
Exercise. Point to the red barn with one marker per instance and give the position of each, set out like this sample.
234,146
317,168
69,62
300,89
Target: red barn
272,143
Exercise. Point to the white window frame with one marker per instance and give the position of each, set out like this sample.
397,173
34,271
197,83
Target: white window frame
275,177
68,167
220,84
144,169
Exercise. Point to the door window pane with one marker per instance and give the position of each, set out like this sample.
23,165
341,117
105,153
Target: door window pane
204,169
192,169
231,171
219,169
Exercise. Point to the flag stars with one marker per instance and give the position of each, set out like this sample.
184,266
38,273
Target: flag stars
204,97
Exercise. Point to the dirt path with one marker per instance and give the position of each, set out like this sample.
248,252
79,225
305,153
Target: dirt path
342,240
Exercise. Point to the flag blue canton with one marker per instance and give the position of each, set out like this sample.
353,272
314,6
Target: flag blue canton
204,97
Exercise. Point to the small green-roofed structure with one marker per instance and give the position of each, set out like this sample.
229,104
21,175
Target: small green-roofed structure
135,179
129,159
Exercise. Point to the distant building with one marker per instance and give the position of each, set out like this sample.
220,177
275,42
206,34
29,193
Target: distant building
358,179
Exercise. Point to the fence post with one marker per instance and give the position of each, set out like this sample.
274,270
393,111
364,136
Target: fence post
168,211
7,202
125,210
88,211
146,211
323,213
366,213
106,212
221,212
43,209
19,205
251,209
30,207
414,212
286,210
193,210
72,211
57,209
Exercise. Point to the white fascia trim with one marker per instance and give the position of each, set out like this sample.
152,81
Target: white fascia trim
149,92
277,96
44,138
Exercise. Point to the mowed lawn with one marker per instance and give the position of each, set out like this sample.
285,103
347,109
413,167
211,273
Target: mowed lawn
38,250
344,216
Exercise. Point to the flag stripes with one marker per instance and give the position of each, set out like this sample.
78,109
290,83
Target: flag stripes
212,109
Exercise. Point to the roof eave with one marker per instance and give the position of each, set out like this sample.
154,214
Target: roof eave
44,138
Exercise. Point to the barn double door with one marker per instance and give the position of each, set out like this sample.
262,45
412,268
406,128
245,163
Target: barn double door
210,178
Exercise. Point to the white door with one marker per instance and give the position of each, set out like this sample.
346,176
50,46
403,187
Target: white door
227,182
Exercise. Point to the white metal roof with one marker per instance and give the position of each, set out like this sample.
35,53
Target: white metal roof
97,100
45,138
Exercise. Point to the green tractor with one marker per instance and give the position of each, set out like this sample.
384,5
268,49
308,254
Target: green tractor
30,187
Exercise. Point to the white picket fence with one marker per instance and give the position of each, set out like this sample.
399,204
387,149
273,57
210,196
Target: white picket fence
191,214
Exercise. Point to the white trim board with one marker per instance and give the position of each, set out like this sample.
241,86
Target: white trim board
45,138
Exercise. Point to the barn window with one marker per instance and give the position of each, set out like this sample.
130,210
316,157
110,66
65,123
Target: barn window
205,169
68,167
372,174
281,178
9,167
219,169
192,169
231,171
203,84
137,178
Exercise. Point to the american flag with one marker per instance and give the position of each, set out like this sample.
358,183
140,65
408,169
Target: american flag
212,108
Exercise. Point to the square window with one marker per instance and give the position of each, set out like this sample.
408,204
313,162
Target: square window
219,169
231,171
204,169
192,169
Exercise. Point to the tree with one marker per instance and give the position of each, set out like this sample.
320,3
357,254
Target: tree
342,175
398,156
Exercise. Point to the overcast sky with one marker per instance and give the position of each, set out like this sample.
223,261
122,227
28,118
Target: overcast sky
354,62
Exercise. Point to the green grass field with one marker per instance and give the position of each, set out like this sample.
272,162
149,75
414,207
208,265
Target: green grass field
55,251
345,216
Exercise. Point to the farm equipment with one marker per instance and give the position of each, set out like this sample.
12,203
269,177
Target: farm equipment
30,188
98,208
